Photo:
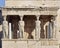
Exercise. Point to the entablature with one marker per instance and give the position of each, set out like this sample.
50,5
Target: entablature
29,11
31,3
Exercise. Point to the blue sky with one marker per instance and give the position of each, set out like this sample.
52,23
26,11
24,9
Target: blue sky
2,3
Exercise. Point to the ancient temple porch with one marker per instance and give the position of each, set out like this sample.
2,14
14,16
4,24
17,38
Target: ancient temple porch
30,26
23,27
30,38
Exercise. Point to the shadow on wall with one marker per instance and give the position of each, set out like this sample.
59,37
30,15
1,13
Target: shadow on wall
1,33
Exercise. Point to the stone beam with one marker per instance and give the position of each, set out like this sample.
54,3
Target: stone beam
30,3
13,12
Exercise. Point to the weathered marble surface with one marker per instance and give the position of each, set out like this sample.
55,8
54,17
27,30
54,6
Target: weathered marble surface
16,43
5,29
21,29
37,30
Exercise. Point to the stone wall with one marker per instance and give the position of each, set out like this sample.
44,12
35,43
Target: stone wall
30,3
16,43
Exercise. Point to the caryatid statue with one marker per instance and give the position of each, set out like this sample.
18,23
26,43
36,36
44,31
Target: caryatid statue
37,28
21,27
5,29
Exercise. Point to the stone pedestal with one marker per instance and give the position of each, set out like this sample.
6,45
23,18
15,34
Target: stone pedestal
5,29
16,43
21,28
37,30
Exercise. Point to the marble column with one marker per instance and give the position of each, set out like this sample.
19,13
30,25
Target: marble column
37,29
5,28
21,27
50,30
54,27
42,29
10,32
